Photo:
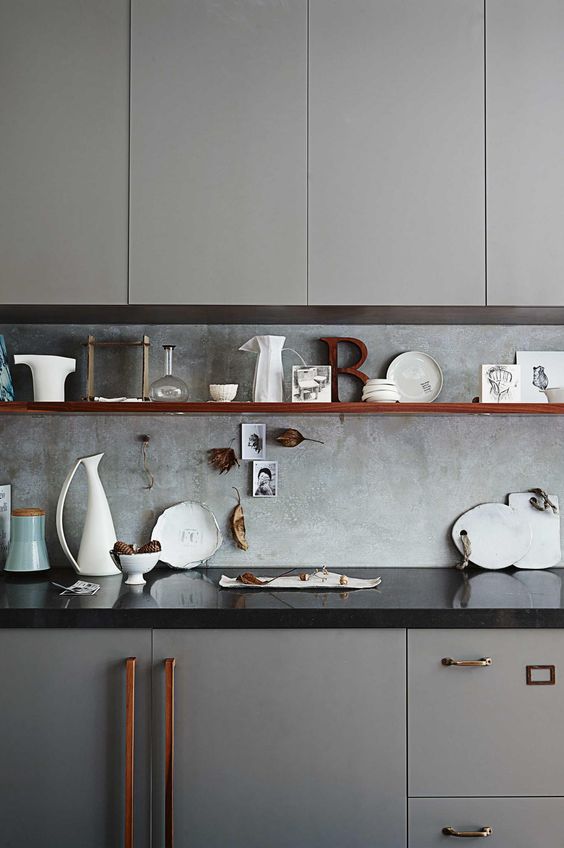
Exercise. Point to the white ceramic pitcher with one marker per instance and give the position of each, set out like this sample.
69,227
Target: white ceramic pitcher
268,386
98,535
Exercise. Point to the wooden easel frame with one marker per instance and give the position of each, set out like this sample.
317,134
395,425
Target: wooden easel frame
92,344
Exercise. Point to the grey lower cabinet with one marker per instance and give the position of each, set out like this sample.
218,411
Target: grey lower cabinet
64,151
63,734
396,152
525,125
484,730
219,152
283,738
512,822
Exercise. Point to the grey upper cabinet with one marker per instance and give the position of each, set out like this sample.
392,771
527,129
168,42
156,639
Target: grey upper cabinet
525,122
62,764
219,152
64,71
396,152
284,738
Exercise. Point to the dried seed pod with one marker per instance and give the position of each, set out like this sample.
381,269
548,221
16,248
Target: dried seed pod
304,577
123,548
250,579
238,525
291,438
152,547
223,459
343,579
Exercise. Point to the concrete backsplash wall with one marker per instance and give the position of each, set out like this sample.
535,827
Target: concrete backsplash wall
379,492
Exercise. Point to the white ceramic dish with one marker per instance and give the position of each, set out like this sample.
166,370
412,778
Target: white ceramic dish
381,397
385,383
134,566
417,376
189,534
223,393
387,390
499,536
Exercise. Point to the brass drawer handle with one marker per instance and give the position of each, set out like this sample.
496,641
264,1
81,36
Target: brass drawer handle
468,663
470,834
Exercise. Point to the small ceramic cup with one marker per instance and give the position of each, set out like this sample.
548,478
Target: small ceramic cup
223,393
134,566
554,395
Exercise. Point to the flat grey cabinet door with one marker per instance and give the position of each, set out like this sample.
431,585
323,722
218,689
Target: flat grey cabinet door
219,150
396,152
515,822
284,738
525,121
62,754
64,140
484,731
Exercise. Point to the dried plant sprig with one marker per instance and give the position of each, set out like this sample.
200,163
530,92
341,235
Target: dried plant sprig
291,438
145,450
223,459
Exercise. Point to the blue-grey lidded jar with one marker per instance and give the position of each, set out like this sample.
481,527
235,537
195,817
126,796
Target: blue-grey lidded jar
28,551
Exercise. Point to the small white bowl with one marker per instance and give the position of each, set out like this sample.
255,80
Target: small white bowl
388,394
378,382
223,392
134,566
555,395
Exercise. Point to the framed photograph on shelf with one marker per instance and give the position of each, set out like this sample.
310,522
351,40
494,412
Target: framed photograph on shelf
253,441
540,369
311,384
265,479
501,384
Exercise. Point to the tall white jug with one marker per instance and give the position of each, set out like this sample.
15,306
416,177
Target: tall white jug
268,386
98,535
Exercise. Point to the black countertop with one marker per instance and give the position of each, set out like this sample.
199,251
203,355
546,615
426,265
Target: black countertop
407,597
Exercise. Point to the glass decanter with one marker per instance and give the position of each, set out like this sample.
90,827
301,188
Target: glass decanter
168,387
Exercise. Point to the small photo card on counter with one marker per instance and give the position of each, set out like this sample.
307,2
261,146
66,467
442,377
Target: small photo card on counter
5,512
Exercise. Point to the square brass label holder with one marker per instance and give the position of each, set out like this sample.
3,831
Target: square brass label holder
91,346
550,680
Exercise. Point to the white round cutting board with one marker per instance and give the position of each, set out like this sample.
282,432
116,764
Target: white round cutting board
499,536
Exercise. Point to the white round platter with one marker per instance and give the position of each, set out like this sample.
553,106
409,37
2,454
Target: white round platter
417,375
189,534
499,537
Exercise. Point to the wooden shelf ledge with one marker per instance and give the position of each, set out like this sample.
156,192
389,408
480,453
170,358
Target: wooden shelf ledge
239,408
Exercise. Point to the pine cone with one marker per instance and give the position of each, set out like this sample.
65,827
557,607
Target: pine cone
123,548
152,547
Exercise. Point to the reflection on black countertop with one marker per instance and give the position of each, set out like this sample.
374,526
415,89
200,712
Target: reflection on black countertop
407,597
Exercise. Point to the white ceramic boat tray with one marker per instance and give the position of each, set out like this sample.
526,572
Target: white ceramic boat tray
317,580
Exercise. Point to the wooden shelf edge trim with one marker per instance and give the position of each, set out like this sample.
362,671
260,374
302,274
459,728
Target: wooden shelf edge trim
238,408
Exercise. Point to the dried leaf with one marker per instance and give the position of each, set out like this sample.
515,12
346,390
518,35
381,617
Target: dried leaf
250,579
292,438
238,525
223,459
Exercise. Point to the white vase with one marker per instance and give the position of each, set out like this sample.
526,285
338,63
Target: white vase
49,374
268,386
98,535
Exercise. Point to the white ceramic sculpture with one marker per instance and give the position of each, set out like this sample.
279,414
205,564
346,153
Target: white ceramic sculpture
49,374
98,535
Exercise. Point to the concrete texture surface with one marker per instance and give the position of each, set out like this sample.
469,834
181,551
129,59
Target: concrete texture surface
379,492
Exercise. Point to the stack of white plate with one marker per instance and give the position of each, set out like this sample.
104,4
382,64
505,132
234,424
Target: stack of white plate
381,391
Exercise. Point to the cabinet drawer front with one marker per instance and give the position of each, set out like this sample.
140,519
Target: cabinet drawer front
514,822
485,730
